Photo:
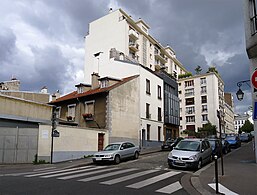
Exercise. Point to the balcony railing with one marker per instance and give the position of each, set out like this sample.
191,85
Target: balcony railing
133,34
133,46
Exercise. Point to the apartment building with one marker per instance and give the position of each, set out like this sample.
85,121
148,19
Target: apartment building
239,119
250,20
200,98
117,30
229,113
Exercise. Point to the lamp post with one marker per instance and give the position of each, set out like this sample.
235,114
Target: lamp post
240,93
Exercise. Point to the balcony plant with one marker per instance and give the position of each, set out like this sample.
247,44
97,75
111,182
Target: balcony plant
69,118
88,116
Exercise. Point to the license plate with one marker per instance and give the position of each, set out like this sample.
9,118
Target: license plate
98,158
179,161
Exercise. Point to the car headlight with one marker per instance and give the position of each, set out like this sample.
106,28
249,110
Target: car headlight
194,157
170,155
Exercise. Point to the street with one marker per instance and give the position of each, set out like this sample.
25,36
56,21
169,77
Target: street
147,175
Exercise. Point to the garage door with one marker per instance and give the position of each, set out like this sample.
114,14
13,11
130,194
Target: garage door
18,145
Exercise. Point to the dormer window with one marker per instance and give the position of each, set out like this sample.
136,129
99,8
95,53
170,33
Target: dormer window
104,83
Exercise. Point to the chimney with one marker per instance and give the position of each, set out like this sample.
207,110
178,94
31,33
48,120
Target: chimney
110,10
94,80
53,97
43,90
57,94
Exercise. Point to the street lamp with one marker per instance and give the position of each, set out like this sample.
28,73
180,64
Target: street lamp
240,93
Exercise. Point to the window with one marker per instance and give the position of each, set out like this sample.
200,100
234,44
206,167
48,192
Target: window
189,83
253,17
179,92
175,66
90,107
190,101
204,108
203,90
71,111
204,99
159,92
159,114
204,117
159,133
190,110
189,92
148,132
203,81
148,86
190,119
175,74
147,111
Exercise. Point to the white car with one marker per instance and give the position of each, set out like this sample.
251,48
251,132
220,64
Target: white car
190,153
116,152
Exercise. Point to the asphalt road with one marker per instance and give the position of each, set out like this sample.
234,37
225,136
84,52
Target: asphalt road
147,175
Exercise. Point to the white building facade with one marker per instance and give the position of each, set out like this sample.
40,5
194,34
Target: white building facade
200,97
117,30
229,114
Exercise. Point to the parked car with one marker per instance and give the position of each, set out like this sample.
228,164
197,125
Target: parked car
216,146
225,146
234,141
169,144
116,152
190,153
245,137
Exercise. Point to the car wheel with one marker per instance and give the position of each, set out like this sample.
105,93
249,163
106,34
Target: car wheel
199,164
136,155
117,159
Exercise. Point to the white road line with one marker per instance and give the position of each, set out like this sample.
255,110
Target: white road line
128,177
42,169
85,174
59,171
106,175
72,172
153,180
222,189
170,188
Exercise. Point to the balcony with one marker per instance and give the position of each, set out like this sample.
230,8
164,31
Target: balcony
159,56
70,118
133,46
133,34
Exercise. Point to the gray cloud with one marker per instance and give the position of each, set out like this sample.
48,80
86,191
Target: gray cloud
41,41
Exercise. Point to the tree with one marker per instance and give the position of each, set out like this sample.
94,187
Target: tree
212,69
198,69
247,127
208,129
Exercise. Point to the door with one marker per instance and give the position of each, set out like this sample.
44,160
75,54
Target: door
143,138
100,141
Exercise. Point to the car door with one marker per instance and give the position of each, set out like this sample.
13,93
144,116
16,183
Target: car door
206,151
130,149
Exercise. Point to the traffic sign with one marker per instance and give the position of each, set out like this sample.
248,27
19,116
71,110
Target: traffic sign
254,79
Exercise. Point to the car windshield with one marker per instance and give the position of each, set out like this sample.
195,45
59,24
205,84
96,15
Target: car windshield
230,138
188,145
212,142
112,147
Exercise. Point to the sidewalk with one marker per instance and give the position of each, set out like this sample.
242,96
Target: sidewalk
240,174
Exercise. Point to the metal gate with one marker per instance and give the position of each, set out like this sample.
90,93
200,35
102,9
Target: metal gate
18,145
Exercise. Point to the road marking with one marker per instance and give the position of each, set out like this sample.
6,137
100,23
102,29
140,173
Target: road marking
85,174
106,175
71,172
42,169
170,188
59,171
128,177
153,180
222,189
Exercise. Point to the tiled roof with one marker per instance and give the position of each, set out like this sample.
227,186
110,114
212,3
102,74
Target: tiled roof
75,94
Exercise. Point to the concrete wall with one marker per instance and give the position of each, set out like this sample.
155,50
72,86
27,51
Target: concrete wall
36,97
73,143
124,112
27,110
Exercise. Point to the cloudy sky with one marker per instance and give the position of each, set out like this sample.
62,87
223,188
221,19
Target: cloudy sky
42,41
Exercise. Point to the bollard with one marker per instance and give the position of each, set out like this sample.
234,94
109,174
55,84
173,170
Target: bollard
216,174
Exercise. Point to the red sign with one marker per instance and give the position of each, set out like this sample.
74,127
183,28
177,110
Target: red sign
254,79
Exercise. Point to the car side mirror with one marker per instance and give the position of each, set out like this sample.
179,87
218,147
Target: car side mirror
122,148
202,150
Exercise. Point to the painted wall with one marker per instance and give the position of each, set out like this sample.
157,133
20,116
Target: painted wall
124,112
73,143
